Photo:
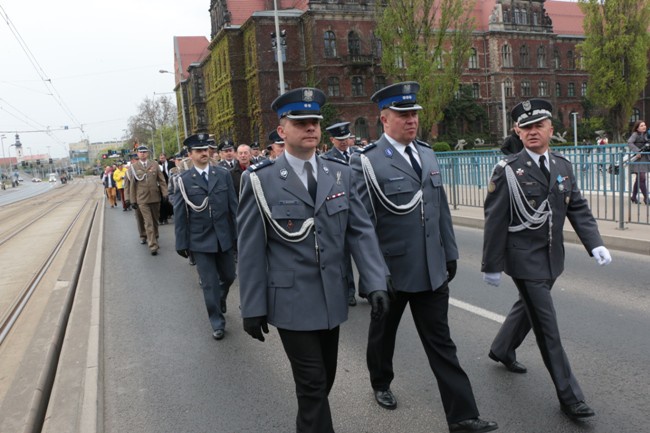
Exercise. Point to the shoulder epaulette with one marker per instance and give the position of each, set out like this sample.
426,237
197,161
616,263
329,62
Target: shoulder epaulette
261,164
368,147
333,159
559,155
422,143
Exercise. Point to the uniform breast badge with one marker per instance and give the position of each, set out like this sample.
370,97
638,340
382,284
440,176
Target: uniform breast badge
520,172
284,173
338,177
560,183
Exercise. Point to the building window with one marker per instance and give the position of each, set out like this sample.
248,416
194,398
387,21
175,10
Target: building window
354,44
542,88
541,57
556,58
525,88
571,60
523,57
636,115
517,19
361,128
333,86
330,44
399,60
473,59
583,89
380,82
377,47
357,86
558,89
571,90
507,87
506,56
476,91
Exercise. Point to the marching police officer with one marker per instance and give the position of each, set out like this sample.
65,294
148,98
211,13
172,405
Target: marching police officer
295,215
401,186
530,195
204,222
339,137
227,153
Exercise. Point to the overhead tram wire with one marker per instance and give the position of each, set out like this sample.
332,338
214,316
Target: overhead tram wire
47,82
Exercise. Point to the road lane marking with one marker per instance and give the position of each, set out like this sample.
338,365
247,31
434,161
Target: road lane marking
477,310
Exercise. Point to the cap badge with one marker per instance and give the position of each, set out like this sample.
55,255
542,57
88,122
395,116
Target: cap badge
284,173
406,88
526,105
308,95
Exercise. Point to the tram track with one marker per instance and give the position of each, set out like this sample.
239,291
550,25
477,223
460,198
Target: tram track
43,253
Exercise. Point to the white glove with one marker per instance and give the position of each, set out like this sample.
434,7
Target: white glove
601,254
492,278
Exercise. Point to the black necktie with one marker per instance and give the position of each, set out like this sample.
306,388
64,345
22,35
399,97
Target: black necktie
311,181
542,166
414,162
346,156
204,175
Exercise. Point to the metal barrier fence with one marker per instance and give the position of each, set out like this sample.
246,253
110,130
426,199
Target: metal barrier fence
602,174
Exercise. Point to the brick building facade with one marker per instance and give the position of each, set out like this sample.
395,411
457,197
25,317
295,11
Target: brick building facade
521,49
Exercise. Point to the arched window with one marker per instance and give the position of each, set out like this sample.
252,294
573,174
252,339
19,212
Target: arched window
473,59
333,86
558,89
377,48
541,57
583,89
571,60
507,87
380,82
542,88
361,128
476,91
354,44
556,58
636,115
330,44
571,90
506,56
525,88
357,86
524,61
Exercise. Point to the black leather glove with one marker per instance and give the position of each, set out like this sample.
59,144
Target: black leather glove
183,253
379,302
392,292
134,205
451,270
254,326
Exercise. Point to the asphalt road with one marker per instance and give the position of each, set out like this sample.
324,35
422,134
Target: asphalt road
163,372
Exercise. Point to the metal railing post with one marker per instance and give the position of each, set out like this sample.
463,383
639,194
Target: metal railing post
621,191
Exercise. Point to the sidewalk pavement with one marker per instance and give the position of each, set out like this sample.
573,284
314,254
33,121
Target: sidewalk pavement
635,238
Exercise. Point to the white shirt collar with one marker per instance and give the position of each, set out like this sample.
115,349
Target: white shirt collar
535,156
401,148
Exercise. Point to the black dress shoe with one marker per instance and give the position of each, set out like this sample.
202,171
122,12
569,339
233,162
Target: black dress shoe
352,301
386,399
514,366
218,334
577,410
143,241
475,425
154,252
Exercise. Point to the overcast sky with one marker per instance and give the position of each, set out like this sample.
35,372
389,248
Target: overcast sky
102,58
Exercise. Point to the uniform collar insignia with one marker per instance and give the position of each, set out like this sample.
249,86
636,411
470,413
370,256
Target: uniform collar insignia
284,173
529,164
389,152
326,170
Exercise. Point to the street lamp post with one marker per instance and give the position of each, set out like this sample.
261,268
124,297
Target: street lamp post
278,48
575,128
180,89
2,140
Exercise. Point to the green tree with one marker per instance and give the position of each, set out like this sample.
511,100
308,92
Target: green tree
615,53
463,118
427,41
153,123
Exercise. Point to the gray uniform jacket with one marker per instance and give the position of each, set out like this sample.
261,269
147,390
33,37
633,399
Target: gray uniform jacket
526,254
213,229
425,235
337,154
300,285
